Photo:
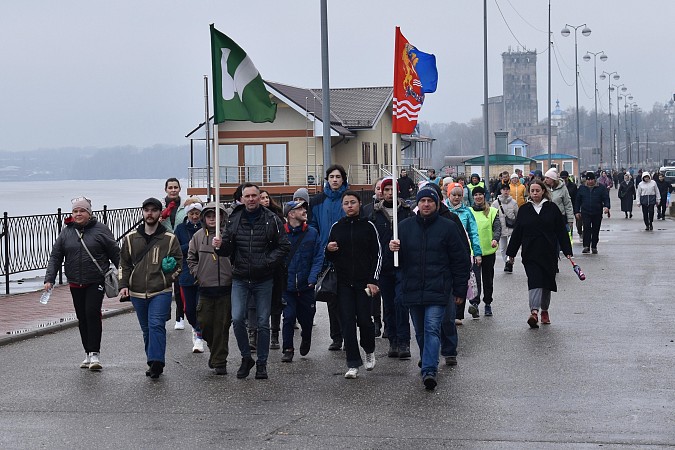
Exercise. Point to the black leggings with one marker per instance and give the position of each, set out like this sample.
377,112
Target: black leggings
87,302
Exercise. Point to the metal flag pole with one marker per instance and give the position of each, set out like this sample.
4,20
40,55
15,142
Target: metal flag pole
394,136
216,176
208,138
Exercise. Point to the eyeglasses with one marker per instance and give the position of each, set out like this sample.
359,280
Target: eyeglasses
80,199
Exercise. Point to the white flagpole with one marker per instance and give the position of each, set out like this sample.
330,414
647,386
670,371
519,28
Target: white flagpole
395,189
216,176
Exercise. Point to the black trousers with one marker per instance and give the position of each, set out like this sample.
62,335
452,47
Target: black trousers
648,214
485,277
592,224
179,301
661,209
87,302
355,308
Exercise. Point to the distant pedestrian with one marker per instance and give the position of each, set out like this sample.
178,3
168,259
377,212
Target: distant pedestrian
151,261
664,189
559,196
189,289
572,189
303,265
540,229
648,195
354,250
592,203
508,211
406,185
256,244
627,195
214,272
434,268
517,190
605,180
84,278
173,215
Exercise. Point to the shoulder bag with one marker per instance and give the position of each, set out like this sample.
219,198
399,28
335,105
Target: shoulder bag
510,223
110,278
326,285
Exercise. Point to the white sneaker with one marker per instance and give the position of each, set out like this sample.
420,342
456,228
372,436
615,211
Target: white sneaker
85,364
94,363
198,346
352,372
315,323
370,361
180,325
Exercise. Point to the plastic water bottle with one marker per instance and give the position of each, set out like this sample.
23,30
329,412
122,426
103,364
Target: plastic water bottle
44,298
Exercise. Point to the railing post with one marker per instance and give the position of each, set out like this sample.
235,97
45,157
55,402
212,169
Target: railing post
59,222
105,214
5,236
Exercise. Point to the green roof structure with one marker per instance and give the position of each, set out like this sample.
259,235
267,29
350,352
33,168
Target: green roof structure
499,159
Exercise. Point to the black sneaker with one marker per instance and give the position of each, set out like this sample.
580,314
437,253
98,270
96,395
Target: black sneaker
404,351
509,267
156,369
245,368
261,372
274,341
222,370
586,250
594,250
288,355
429,382
335,345
473,310
393,351
450,360
305,345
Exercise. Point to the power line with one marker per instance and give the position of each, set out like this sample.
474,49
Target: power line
535,28
511,31
557,63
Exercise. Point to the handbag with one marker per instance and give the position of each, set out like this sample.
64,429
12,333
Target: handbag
326,285
110,278
472,290
510,223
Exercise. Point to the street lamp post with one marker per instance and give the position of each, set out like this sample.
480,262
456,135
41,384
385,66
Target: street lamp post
603,58
632,105
609,75
618,122
586,32
626,99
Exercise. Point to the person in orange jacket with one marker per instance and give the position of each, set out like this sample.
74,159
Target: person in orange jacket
517,190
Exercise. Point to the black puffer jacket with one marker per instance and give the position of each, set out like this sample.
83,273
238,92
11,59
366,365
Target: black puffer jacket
383,223
255,243
358,259
79,268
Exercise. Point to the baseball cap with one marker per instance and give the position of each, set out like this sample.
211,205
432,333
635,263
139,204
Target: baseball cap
290,206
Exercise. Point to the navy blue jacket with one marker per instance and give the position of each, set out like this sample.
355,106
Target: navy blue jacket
591,200
326,209
305,266
184,233
434,261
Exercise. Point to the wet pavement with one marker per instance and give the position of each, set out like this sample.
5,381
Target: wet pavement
601,375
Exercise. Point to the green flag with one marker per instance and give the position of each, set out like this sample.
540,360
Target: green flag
238,89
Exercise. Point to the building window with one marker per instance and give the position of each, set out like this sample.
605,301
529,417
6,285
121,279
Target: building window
257,163
374,152
275,163
518,151
385,149
568,166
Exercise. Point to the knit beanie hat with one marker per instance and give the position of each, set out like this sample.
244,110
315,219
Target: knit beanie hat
478,190
81,202
552,174
428,192
302,193
386,182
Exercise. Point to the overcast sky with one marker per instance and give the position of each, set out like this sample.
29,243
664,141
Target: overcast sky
102,73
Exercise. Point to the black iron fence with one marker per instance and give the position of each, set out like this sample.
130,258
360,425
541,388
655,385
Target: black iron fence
26,241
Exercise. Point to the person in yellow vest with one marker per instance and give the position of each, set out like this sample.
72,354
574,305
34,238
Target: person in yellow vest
474,182
517,190
489,233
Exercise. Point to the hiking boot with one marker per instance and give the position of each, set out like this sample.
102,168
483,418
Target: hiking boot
305,345
544,318
594,250
351,373
85,364
404,351
94,362
261,372
288,355
180,324
245,368
335,345
370,361
222,370
450,360
586,250
473,310
274,341
393,351
488,310
252,340
429,382
532,320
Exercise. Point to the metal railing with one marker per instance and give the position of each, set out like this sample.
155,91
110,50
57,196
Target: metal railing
26,241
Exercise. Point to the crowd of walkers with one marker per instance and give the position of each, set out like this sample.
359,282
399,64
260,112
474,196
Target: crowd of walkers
254,266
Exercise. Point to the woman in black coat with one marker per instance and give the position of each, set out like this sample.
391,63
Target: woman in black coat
539,227
627,195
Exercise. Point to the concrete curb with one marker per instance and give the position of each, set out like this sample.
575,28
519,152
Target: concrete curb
12,338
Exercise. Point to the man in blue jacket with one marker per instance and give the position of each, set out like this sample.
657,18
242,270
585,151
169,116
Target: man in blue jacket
325,210
435,266
592,203
304,265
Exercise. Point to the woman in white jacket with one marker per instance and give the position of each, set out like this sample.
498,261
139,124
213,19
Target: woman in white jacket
508,210
648,195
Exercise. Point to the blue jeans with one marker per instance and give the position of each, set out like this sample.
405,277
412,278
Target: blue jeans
152,315
449,338
300,305
396,317
261,294
427,322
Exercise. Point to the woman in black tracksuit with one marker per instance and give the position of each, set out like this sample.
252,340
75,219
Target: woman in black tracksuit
354,250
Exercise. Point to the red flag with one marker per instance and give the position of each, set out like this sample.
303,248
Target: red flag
408,96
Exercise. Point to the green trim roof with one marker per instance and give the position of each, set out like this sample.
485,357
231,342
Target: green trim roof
554,156
499,159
